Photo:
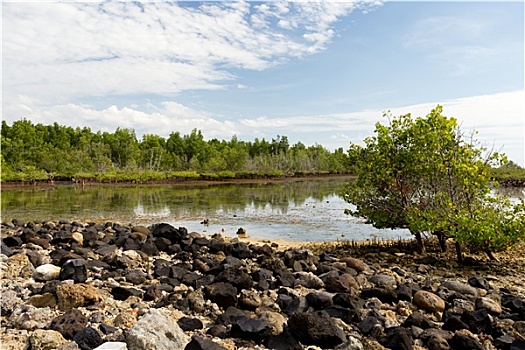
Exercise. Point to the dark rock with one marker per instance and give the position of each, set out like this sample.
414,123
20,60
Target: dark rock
34,257
149,248
12,241
223,294
189,324
461,341
297,305
121,293
88,339
512,302
315,328
368,324
283,341
518,345
4,249
437,343
284,301
167,231
477,321
200,343
396,338
219,331
347,315
336,283
131,244
348,301
454,323
285,278
136,276
319,301
404,292
239,279
69,323
108,252
251,329
383,294
107,329
417,319
74,269
479,282
241,251
152,293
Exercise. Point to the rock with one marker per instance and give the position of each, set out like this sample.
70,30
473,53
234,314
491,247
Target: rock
460,287
308,280
396,338
121,293
453,324
351,344
428,301
344,283
29,317
5,250
74,269
88,339
479,282
316,328
297,305
112,346
461,341
418,320
249,299
44,300
492,306
46,340
223,294
71,296
200,343
383,281
518,345
383,294
282,341
285,278
354,263
477,321
275,319
125,319
437,343
156,330
189,324
320,300
69,324
17,265
251,329
46,272
367,325
8,302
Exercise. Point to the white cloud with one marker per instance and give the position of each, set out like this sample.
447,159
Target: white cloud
61,51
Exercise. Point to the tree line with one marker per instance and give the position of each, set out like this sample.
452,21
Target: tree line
31,152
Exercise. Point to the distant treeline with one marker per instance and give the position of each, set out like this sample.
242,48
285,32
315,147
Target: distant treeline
34,152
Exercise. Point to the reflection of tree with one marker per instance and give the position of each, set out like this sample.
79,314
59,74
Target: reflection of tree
181,201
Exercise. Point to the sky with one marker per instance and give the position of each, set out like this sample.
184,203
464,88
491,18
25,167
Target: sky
317,72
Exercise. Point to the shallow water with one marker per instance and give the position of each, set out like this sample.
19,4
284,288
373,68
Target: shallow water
307,210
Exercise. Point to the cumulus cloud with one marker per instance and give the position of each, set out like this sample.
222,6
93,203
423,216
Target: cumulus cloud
70,50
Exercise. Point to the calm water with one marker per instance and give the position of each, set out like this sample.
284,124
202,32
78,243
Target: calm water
310,210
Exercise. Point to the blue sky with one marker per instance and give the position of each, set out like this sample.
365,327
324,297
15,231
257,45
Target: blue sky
317,72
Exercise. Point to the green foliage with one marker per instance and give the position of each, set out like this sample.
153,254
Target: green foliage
421,174
65,152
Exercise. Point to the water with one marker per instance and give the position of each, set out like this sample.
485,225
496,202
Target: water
309,210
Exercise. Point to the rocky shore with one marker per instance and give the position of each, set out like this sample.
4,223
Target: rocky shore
72,285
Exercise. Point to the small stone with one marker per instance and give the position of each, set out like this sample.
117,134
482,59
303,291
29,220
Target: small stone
111,345
125,319
71,296
428,301
200,343
29,317
18,265
46,339
44,300
354,263
250,299
461,341
46,272
74,269
69,324
460,287
88,339
492,306
316,328
479,282
189,324
250,329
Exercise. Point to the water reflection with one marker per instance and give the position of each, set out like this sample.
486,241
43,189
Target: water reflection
296,210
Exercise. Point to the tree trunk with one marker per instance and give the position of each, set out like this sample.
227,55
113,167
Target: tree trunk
491,255
442,238
420,246
459,253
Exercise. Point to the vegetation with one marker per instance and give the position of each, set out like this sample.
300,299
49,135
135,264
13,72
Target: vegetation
425,175
510,174
34,152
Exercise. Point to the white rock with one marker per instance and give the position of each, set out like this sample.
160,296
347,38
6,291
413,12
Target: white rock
46,272
156,330
112,346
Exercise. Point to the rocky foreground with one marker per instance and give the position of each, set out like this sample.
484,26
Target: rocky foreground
70,285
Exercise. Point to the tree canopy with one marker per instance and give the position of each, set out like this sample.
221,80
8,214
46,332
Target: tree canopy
36,152
424,174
